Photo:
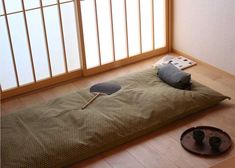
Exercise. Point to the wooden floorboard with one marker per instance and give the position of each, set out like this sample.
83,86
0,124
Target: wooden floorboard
160,149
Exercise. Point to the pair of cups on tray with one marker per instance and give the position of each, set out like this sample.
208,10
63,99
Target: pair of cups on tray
199,136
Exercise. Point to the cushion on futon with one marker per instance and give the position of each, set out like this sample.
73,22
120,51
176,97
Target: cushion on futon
174,76
58,133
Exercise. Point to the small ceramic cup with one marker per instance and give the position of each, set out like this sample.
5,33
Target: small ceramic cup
215,142
198,136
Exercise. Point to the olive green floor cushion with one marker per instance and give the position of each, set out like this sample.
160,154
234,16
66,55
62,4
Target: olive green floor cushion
58,133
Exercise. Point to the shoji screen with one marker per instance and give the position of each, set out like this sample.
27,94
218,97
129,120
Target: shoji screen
119,29
43,42
38,41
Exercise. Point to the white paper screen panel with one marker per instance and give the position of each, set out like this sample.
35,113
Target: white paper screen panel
54,40
70,36
41,36
13,6
159,23
48,2
119,29
38,46
7,73
38,41
146,25
133,26
65,0
1,9
29,4
90,33
105,31
20,47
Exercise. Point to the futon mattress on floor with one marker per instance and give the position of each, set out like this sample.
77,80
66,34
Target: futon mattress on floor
58,133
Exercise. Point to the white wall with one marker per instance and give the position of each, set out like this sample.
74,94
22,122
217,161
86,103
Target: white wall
205,29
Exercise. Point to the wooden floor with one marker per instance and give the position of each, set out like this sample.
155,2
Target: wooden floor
160,149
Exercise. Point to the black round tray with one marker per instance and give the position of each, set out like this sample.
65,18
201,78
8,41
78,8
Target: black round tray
188,142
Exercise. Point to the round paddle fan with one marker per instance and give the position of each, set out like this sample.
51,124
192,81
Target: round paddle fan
106,88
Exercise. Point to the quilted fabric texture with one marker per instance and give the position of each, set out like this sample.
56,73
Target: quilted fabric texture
58,133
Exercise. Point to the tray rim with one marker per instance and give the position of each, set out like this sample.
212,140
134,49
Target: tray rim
205,127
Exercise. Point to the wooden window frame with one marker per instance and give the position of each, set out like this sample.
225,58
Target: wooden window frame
67,76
